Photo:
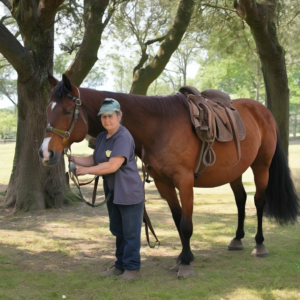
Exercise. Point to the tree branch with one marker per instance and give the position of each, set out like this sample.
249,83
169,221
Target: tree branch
18,56
143,78
149,42
7,3
46,11
246,9
87,53
4,91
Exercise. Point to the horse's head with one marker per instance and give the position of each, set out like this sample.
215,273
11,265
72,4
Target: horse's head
66,122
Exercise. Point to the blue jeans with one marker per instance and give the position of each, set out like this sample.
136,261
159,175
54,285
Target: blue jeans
125,225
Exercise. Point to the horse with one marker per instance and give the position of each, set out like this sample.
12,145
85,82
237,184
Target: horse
169,147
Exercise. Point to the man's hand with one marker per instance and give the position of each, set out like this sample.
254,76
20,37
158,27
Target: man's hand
81,170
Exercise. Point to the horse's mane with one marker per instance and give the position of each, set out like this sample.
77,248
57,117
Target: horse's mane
161,106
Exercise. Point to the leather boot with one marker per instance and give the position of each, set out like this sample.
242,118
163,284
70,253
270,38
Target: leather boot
131,275
114,271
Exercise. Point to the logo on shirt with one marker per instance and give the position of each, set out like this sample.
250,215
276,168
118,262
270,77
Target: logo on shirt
108,152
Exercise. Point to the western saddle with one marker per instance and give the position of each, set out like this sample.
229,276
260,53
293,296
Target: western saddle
213,117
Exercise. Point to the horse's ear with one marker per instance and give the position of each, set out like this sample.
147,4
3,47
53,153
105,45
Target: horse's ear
67,82
53,82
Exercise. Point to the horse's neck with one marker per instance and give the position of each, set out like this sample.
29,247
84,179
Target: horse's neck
138,123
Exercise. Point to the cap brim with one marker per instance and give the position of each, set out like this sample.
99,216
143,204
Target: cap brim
105,112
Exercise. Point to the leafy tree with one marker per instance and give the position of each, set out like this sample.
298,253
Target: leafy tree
30,51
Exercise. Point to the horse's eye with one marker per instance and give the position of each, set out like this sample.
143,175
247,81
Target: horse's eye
68,113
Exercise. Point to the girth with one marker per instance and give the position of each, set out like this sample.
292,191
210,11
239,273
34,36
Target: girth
213,118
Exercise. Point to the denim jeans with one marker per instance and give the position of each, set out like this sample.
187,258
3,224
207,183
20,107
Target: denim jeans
125,224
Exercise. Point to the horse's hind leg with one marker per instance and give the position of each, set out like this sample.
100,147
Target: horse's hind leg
240,199
261,177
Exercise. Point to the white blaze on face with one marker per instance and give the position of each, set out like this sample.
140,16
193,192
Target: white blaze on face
45,148
53,105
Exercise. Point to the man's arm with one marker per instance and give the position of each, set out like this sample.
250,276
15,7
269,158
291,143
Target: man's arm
109,167
87,161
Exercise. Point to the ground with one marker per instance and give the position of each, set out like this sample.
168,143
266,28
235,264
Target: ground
61,252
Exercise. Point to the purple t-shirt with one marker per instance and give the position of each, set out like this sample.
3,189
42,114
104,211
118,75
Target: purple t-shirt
126,181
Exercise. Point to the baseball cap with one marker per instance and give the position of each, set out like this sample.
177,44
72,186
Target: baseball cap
109,106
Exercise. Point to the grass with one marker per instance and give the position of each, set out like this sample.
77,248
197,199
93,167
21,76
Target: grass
41,252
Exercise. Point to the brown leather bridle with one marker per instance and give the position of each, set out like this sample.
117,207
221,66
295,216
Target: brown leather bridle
65,135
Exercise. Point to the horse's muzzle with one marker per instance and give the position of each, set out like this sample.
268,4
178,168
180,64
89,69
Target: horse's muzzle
53,157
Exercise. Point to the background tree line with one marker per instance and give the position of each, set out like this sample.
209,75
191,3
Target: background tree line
244,48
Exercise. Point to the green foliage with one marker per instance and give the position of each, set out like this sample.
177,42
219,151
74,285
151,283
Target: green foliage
8,123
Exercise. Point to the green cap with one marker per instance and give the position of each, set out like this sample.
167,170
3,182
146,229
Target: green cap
109,106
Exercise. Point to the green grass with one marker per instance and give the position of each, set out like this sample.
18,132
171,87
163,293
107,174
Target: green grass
40,252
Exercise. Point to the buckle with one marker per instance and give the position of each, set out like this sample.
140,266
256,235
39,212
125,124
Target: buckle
67,134
77,101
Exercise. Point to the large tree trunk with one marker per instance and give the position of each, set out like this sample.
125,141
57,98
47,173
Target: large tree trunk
260,18
32,185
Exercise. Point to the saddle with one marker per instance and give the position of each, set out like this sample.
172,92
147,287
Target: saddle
213,117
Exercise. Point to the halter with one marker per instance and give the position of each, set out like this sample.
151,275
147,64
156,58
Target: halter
65,135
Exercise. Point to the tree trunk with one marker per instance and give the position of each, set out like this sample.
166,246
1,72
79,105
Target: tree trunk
260,18
32,185
257,79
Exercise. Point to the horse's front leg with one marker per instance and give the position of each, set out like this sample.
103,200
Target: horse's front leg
184,182
168,192
185,229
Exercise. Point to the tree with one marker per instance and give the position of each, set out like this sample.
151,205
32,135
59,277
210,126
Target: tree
261,17
143,77
31,184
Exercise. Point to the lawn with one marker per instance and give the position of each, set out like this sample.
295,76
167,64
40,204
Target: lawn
55,253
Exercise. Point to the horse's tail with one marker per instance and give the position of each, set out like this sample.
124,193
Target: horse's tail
282,201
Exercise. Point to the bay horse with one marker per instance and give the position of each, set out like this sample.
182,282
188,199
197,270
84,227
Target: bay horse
162,126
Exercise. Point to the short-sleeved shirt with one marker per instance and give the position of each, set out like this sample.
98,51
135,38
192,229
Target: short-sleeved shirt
126,181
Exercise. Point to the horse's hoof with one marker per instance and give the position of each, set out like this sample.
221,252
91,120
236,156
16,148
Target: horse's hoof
260,250
185,271
175,268
235,245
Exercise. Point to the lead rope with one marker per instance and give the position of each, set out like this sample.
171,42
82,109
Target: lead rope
73,176
146,218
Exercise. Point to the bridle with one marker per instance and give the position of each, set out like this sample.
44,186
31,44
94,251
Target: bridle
65,135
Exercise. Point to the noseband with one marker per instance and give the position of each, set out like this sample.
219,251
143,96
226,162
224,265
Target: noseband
65,135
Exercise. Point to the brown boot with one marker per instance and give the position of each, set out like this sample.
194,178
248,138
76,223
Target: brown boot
114,271
131,275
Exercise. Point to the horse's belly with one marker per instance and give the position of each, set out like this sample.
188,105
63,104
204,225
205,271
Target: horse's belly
227,168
